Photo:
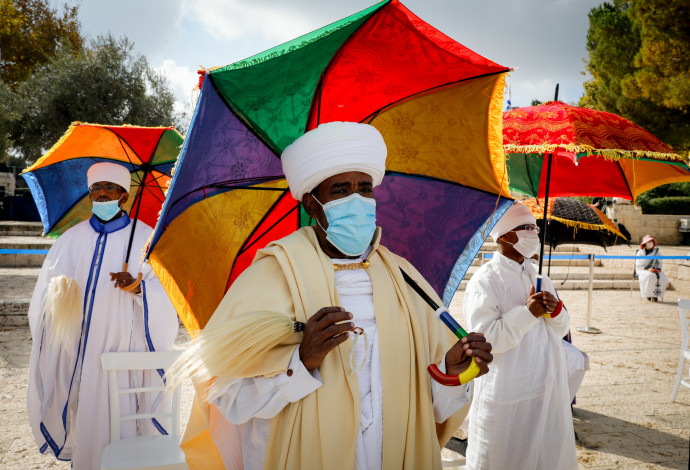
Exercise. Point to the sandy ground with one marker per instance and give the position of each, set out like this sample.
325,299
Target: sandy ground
623,417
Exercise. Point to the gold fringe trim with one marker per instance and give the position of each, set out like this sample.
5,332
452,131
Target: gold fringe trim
610,154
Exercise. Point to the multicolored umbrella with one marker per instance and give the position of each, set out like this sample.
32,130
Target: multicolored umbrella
437,104
572,221
556,149
58,179
595,153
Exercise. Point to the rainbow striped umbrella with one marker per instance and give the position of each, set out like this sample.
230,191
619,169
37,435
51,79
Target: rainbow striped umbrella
437,104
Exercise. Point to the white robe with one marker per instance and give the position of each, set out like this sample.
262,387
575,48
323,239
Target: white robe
651,285
520,415
249,404
67,394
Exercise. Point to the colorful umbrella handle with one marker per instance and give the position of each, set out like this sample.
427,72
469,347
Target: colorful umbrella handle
133,285
452,380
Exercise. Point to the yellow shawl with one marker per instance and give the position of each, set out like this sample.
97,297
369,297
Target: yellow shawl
294,277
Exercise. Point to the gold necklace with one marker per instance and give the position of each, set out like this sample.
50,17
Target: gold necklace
352,266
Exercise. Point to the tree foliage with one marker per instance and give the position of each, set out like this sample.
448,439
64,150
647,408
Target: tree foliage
639,60
104,84
30,33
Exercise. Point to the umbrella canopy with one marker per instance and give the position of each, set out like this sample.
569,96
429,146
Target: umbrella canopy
436,103
58,179
573,221
595,153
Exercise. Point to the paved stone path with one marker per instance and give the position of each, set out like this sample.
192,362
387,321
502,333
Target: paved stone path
623,416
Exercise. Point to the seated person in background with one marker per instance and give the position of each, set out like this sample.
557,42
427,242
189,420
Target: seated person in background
653,281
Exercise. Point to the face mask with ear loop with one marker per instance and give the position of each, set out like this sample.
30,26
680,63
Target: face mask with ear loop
106,210
351,223
527,244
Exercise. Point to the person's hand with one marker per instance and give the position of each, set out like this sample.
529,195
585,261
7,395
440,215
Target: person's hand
655,271
323,332
123,280
535,303
541,303
460,356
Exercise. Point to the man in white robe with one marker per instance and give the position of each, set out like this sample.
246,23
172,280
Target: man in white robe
653,280
331,402
520,416
78,311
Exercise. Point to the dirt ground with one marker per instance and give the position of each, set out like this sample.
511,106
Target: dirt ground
624,418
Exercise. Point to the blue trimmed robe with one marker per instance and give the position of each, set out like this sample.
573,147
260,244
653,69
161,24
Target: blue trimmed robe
67,394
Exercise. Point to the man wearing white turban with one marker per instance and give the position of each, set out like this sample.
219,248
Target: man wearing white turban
77,312
520,416
322,400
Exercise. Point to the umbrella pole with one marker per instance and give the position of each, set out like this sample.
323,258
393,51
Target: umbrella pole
548,273
590,329
543,222
142,186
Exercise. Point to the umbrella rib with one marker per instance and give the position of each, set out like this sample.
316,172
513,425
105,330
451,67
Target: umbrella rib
221,185
247,124
327,68
625,179
440,180
371,116
244,249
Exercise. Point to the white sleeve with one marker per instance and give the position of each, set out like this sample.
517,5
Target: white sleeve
447,399
504,331
640,263
264,397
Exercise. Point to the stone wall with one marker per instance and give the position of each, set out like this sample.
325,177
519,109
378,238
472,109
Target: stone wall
664,228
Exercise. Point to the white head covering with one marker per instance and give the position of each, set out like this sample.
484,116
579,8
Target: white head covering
518,214
331,149
111,172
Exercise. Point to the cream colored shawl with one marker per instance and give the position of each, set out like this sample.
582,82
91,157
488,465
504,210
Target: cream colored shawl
294,277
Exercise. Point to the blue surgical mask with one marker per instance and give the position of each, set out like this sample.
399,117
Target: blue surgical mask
351,223
106,210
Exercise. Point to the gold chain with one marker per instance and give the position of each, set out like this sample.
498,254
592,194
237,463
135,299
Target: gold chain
347,267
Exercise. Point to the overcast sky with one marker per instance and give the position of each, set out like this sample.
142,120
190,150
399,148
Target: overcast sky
543,39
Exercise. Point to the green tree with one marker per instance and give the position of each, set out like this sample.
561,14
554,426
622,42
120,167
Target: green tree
104,84
8,118
30,33
632,75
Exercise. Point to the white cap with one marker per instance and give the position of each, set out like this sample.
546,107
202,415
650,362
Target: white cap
331,149
518,214
111,172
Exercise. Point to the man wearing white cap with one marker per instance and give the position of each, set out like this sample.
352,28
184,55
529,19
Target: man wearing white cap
322,400
78,312
520,416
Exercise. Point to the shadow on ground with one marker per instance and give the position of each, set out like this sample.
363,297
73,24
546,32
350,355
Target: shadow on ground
629,440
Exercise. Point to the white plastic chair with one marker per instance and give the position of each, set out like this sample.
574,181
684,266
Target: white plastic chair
684,312
141,452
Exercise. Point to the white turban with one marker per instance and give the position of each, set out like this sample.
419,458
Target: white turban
110,172
516,215
331,149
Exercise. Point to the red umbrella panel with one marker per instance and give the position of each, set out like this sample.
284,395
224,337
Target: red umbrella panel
595,153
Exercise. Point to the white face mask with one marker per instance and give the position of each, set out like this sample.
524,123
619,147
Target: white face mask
649,245
527,244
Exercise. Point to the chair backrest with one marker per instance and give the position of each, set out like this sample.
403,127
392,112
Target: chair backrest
113,362
684,312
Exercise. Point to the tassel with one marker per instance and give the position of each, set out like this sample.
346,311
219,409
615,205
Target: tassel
63,306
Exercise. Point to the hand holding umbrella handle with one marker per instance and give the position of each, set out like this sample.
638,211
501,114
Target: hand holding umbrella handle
454,380
469,373
133,285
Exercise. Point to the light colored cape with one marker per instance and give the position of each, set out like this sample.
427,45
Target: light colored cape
294,276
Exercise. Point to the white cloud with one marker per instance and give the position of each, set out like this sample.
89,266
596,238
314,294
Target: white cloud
183,82
226,20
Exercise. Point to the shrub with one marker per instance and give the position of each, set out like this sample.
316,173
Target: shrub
677,205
